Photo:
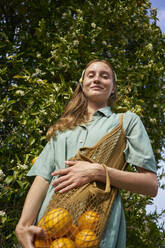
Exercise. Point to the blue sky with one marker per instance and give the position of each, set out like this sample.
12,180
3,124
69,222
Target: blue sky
159,201
160,5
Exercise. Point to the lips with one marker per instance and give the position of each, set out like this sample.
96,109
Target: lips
97,88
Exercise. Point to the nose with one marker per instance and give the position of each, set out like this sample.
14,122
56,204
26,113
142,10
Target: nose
96,79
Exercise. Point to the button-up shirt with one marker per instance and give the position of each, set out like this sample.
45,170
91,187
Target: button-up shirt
138,152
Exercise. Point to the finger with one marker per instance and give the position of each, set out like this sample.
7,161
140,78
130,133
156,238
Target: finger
68,188
60,172
70,162
61,186
30,244
60,180
28,240
37,230
42,234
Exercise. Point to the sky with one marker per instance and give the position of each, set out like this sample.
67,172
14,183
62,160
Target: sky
159,200
160,5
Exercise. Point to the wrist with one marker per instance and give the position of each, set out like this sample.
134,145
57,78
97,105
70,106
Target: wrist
21,225
100,174
19,229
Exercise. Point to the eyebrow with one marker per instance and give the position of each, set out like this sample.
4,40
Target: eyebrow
100,71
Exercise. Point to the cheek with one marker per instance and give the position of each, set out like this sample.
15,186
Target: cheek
85,83
85,86
85,89
109,87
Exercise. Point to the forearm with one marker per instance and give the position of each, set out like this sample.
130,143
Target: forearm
81,172
25,230
142,183
33,201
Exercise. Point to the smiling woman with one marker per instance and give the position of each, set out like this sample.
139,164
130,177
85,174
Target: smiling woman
97,85
100,75
88,119
78,110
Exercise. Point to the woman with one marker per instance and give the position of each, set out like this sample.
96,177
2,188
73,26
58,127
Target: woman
86,119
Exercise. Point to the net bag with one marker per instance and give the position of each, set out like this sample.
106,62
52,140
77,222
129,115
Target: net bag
78,218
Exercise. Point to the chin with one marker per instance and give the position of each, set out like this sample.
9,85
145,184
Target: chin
97,98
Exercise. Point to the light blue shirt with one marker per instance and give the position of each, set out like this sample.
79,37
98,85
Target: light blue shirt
138,152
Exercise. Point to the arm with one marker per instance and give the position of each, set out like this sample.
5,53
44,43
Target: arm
145,182
25,231
82,172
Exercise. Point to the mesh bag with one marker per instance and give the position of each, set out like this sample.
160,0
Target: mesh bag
78,218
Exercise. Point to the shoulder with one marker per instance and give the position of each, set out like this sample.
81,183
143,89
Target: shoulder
130,116
131,120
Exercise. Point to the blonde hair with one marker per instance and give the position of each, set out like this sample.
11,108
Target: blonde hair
75,112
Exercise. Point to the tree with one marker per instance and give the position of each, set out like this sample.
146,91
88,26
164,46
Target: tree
44,48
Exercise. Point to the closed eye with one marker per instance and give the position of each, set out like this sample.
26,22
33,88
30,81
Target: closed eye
105,75
90,75
102,74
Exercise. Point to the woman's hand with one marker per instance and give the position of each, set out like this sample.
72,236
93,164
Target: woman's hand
26,234
77,174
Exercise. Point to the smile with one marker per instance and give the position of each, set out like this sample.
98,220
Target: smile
97,88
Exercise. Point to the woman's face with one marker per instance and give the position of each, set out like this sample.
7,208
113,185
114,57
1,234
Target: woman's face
98,83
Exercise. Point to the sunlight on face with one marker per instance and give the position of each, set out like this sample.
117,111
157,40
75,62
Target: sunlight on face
98,83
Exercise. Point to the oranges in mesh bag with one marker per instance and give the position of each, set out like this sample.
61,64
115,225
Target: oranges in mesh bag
42,243
57,222
63,243
41,224
89,220
73,231
86,239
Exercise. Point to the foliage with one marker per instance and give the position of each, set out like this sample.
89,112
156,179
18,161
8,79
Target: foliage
44,47
142,229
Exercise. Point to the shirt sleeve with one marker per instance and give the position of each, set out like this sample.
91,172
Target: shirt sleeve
138,149
45,163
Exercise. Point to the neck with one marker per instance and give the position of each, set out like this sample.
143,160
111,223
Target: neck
93,107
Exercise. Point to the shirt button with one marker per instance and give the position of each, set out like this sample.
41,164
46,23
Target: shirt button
81,141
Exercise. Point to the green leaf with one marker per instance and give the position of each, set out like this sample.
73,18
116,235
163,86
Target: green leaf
31,141
9,179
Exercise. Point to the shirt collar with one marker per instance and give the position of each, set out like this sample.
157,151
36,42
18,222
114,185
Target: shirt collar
106,111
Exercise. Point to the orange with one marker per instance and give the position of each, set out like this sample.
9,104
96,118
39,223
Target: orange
86,238
57,222
42,243
72,233
34,160
89,220
41,224
63,243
